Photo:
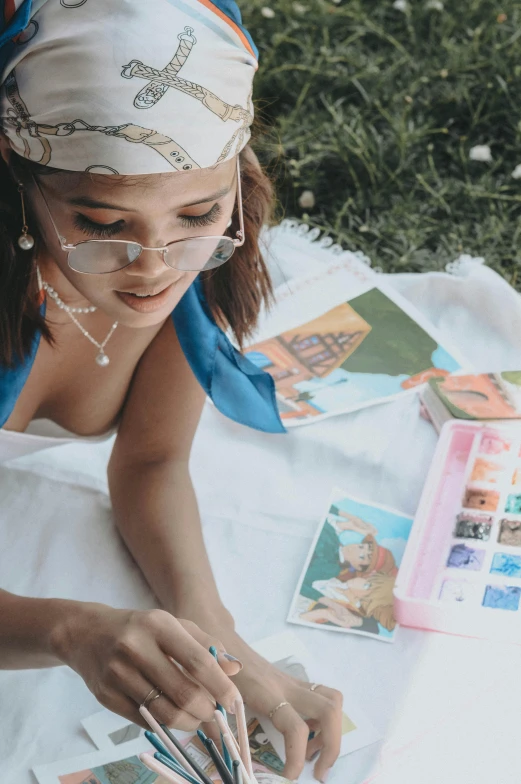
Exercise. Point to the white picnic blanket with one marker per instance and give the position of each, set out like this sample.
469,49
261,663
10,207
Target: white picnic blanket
261,498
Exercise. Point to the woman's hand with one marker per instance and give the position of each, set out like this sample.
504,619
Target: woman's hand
123,654
263,687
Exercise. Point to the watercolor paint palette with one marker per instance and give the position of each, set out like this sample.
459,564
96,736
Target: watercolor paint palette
461,571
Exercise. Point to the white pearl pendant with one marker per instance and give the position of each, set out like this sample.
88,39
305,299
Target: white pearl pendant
102,359
25,242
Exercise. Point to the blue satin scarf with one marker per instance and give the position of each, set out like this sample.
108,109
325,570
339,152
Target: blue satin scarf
239,389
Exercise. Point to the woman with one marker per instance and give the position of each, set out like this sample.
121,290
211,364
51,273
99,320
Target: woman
128,122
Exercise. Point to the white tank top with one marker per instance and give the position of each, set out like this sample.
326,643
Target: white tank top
41,434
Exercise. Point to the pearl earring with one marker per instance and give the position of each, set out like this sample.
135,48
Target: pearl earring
25,240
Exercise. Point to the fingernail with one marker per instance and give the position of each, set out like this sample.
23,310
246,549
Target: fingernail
325,776
233,659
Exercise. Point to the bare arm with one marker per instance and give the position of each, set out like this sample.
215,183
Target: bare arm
156,513
27,628
152,494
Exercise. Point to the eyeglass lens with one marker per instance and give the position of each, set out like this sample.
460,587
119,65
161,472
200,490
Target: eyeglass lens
191,255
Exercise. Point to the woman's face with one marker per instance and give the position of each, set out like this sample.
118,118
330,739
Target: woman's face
152,210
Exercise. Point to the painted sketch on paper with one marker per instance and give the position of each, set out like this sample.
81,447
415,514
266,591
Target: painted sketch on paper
358,353
348,579
484,396
126,771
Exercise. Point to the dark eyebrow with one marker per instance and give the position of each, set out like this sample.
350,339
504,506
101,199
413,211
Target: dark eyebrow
86,201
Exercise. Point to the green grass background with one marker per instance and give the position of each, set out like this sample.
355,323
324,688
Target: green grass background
375,110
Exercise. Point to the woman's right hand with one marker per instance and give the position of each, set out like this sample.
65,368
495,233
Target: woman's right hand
123,654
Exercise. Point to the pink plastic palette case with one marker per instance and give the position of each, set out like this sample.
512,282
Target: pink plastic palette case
461,571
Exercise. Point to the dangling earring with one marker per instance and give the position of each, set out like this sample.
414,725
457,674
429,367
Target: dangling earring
25,240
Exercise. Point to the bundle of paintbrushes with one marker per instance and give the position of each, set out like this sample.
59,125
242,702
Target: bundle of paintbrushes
232,763
172,761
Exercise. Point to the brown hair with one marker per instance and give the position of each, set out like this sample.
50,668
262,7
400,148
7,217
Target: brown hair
379,602
235,292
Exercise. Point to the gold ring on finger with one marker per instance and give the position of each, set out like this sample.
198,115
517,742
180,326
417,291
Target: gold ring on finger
279,706
152,695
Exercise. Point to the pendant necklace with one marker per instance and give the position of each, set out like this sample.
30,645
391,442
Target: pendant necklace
101,358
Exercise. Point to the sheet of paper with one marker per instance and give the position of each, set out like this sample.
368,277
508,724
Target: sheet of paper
347,581
120,764
343,340
287,652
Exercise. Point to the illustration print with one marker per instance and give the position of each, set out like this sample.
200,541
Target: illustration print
359,352
348,580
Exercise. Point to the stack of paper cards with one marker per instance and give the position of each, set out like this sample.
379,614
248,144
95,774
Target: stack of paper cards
348,578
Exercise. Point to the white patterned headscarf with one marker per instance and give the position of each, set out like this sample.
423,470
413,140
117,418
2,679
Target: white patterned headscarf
126,86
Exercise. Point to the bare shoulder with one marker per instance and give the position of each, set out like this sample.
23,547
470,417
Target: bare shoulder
163,405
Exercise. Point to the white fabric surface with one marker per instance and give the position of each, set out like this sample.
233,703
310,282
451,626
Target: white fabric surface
261,498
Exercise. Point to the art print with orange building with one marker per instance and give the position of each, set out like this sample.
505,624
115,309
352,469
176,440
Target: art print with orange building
363,351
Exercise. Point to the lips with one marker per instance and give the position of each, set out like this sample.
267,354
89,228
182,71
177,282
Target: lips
146,302
143,294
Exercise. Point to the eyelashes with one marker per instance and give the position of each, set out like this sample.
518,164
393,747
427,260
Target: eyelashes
93,229
101,230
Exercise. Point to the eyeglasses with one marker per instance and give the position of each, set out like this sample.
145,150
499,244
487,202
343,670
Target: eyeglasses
192,254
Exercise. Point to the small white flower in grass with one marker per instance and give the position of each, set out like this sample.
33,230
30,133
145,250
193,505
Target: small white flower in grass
268,13
401,5
306,200
481,152
299,8
434,5
516,174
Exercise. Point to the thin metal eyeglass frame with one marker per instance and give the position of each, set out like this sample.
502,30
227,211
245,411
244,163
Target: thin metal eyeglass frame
238,240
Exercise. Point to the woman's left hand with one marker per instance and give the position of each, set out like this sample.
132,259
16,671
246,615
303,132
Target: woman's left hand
263,687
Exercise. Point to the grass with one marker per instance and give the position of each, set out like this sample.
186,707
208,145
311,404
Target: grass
375,110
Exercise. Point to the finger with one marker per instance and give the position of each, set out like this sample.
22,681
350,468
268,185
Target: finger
211,730
326,707
123,706
315,740
181,691
198,662
332,738
228,663
314,746
296,732
329,706
130,682
141,650
147,656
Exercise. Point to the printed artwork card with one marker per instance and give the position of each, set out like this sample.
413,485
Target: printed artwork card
483,396
348,578
346,342
121,764
289,655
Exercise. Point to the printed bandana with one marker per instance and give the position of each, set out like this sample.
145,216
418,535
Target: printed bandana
125,86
